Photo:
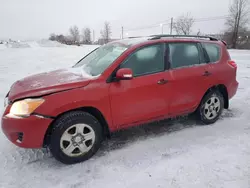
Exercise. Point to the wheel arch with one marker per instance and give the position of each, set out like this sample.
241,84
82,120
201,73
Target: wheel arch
92,110
223,90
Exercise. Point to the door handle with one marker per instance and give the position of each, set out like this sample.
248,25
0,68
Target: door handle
206,73
162,81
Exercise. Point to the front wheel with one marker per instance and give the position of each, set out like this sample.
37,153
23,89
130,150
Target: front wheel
76,137
211,107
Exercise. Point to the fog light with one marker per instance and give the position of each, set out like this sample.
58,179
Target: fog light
19,137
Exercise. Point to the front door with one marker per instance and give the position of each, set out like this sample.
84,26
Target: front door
145,96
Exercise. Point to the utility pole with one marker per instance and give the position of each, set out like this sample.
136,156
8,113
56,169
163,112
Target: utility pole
161,25
171,26
93,36
122,32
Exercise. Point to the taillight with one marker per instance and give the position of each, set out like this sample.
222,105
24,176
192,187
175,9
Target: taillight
232,63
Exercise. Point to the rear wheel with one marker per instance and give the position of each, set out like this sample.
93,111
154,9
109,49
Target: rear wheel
211,107
76,137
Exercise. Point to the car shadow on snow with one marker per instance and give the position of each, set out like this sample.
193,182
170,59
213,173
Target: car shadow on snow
121,138
128,136
117,141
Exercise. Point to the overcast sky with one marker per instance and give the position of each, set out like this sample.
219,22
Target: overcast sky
35,19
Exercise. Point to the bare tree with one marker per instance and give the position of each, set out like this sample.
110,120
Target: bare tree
52,37
183,24
106,32
199,33
75,34
86,33
59,38
238,19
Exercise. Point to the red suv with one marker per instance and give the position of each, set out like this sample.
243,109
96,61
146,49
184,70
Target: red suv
121,84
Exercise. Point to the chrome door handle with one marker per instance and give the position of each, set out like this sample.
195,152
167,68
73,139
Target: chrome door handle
162,81
206,73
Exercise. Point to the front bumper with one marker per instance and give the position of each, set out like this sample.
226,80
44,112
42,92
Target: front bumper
26,132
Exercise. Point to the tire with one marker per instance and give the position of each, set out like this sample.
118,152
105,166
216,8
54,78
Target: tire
76,137
210,107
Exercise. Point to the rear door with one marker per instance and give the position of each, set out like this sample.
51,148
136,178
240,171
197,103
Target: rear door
215,69
187,67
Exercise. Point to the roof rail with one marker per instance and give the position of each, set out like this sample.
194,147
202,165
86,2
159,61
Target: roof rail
154,37
134,37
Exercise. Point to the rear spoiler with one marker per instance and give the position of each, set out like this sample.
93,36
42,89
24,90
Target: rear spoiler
224,42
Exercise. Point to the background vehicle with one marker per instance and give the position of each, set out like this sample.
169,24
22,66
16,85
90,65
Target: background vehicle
118,85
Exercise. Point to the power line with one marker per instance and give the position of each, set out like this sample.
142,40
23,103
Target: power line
210,18
148,27
142,28
171,24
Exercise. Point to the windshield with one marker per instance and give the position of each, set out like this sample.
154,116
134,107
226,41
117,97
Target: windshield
97,61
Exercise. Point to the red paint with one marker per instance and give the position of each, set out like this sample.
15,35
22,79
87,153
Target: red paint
45,83
187,89
139,99
33,129
123,102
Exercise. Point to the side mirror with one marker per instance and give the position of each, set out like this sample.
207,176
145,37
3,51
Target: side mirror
124,74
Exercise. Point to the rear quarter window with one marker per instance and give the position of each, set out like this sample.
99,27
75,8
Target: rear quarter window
213,51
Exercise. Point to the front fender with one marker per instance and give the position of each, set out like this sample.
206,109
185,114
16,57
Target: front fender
62,102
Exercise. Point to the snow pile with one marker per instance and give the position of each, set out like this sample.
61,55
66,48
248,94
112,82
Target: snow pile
177,153
18,45
33,44
41,43
49,43
2,46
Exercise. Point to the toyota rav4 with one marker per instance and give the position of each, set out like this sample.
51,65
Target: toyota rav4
118,85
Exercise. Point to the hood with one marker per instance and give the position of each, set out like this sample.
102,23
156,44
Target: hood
48,82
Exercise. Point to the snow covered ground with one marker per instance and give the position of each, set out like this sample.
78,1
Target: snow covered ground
174,154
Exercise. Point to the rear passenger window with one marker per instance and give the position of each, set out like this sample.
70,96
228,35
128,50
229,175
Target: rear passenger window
183,54
213,51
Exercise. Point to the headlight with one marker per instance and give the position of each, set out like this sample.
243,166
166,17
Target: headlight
25,107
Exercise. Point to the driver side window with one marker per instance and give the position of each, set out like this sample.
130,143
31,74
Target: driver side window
147,60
